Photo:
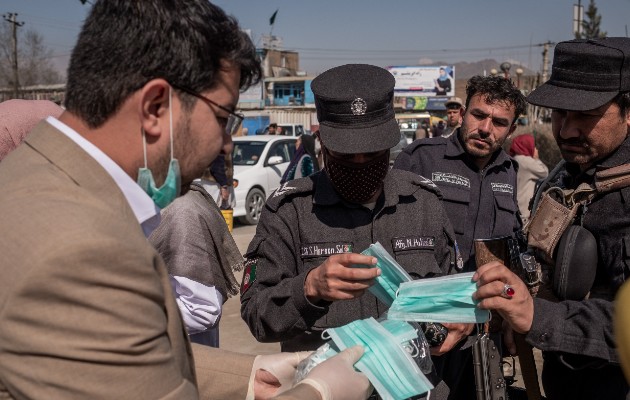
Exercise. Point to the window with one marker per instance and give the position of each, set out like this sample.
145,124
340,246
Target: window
284,149
247,153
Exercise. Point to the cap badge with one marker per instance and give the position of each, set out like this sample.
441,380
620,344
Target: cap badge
358,106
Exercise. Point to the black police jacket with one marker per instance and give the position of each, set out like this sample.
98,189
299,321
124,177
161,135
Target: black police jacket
581,361
480,203
305,221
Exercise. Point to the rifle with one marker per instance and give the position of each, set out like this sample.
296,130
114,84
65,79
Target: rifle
489,380
511,252
524,264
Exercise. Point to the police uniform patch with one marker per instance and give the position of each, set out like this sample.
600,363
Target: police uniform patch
282,190
413,243
502,188
450,178
249,274
324,249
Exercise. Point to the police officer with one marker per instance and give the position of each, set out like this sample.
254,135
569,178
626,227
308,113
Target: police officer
476,177
478,182
589,93
299,264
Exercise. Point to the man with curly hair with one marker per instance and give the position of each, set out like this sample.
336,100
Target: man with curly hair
477,180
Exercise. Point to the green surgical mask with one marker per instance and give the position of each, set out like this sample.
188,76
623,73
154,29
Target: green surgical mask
392,274
443,299
165,194
391,370
375,337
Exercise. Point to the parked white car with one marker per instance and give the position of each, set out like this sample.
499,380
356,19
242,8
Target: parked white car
259,163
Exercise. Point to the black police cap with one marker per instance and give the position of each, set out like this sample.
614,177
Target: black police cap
355,109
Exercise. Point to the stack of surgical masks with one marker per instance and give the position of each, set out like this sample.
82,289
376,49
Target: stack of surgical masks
392,274
443,299
387,361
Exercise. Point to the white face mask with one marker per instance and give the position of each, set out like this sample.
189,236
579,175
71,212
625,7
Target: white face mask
165,194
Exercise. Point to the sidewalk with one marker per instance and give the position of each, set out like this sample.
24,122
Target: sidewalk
234,333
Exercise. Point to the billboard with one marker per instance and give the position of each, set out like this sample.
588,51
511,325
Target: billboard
423,103
424,80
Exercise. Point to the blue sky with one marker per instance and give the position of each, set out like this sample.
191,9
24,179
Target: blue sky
327,33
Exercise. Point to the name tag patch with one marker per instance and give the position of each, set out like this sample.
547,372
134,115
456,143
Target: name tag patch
502,188
324,249
413,243
450,178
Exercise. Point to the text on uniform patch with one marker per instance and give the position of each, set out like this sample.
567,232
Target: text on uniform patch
324,249
450,178
413,243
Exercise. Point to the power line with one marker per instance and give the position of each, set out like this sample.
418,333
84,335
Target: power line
52,21
466,49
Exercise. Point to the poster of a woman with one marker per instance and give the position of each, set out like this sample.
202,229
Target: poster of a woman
443,84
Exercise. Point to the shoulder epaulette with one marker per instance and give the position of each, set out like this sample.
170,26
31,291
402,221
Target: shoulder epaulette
427,184
437,141
288,190
418,181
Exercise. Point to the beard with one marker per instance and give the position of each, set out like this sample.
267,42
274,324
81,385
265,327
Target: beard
478,145
189,149
160,170
182,145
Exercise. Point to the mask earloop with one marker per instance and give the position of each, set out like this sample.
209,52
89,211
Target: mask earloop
325,335
144,146
170,121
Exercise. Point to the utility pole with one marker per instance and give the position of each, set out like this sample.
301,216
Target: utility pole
545,66
10,17
578,17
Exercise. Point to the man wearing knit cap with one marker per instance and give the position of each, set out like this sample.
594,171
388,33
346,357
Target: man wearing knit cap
589,95
298,277
454,106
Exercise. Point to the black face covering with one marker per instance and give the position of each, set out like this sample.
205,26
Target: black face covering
356,183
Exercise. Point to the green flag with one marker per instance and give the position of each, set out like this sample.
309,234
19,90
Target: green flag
273,18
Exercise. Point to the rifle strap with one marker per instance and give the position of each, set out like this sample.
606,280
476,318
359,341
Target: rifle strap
606,180
528,367
609,179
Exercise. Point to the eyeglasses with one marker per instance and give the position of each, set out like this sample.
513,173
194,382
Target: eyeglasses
234,120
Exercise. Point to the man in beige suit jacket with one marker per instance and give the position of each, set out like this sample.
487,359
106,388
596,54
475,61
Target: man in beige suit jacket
86,307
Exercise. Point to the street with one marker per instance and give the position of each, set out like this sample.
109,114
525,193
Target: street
234,333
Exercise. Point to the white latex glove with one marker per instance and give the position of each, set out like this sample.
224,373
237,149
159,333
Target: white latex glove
273,374
336,378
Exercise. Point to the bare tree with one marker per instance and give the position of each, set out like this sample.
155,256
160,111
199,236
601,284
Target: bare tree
590,26
35,65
